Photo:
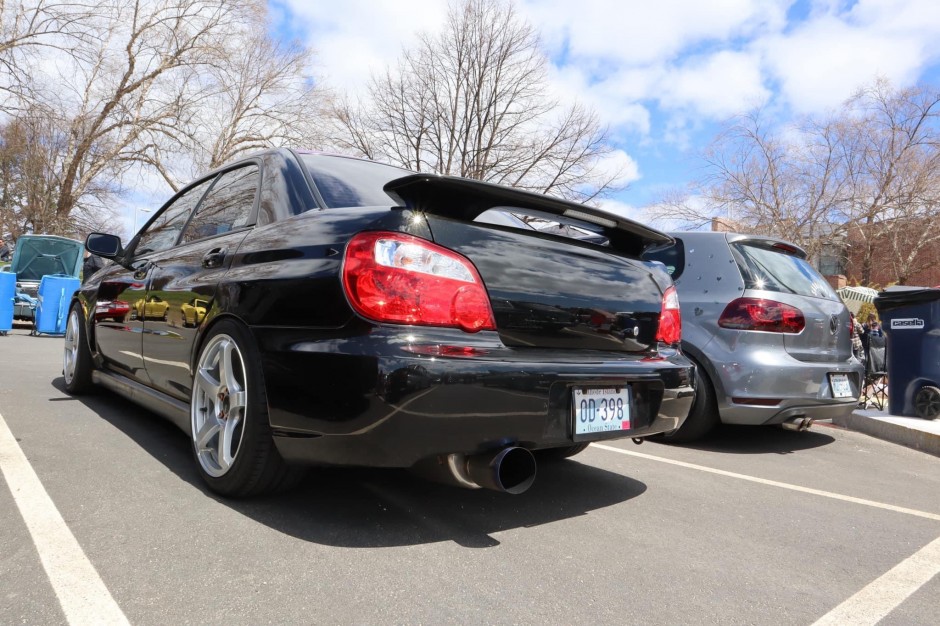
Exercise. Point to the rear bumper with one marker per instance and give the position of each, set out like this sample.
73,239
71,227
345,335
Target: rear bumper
366,400
759,416
801,388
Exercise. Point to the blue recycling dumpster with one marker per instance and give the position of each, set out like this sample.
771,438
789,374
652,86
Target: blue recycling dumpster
910,317
55,293
7,293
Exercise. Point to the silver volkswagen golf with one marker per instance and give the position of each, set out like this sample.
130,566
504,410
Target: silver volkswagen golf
768,334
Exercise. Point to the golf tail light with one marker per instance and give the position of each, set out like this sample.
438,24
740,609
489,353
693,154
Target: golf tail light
670,318
764,315
398,278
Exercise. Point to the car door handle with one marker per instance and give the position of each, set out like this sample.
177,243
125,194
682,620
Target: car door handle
213,258
141,272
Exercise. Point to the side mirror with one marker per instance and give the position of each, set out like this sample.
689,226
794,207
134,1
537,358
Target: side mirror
104,245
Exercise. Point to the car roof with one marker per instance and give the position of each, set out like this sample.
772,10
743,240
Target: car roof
761,240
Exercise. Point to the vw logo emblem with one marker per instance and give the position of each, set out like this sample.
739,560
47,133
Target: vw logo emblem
833,324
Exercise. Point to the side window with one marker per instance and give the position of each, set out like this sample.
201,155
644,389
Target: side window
673,257
165,230
227,205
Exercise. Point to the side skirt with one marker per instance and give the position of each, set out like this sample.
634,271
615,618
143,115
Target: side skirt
163,405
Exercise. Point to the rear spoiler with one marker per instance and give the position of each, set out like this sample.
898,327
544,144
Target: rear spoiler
465,199
769,243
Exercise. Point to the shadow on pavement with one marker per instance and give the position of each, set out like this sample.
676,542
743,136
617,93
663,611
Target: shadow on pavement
760,440
367,508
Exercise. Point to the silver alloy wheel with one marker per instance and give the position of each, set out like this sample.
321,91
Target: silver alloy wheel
72,337
220,401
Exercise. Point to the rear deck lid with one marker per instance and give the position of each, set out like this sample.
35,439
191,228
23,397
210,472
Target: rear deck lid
548,290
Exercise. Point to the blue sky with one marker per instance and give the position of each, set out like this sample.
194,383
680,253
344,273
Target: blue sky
662,75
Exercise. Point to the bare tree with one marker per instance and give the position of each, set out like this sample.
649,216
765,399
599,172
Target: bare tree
32,27
891,143
867,176
31,148
473,101
766,182
254,93
126,91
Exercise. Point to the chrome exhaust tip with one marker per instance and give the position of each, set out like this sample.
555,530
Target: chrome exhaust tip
510,470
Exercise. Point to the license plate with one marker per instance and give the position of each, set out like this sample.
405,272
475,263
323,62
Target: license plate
840,386
600,410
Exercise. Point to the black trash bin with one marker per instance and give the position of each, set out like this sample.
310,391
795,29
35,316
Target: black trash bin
910,317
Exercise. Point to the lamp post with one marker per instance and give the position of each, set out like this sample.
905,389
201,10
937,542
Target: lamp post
136,209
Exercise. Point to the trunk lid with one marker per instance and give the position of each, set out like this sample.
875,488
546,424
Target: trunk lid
36,256
548,291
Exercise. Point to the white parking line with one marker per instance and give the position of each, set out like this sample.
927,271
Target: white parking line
773,483
81,592
883,595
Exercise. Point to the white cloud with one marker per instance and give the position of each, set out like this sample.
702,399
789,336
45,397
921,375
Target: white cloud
622,209
615,100
639,32
716,86
355,38
823,63
644,215
620,162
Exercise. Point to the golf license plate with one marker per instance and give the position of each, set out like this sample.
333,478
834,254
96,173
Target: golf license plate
840,385
598,411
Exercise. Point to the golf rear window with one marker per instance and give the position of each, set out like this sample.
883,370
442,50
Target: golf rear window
766,269
673,257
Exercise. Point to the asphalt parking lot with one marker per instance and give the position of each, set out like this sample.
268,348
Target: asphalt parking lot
104,518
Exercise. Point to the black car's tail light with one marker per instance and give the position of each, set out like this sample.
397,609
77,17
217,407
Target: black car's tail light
765,315
398,278
670,318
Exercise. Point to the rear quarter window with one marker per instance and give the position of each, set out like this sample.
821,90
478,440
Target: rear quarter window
772,270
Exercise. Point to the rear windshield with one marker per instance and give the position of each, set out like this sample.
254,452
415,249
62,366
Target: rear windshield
347,182
772,270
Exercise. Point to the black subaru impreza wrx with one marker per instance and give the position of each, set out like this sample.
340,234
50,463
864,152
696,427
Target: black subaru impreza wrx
355,313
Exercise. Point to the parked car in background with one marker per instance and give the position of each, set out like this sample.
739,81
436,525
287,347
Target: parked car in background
194,311
36,256
153,307
769,336
360,314
116,310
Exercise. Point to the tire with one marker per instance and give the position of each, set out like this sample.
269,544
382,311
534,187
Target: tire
703,416
549,455
231,435
927,402
76,359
